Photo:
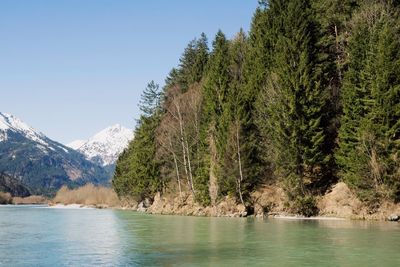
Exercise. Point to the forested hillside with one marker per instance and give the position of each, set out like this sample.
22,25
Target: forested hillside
309,96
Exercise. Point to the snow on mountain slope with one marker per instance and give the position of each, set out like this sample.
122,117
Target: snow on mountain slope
76,144
105,147
40,163
10,123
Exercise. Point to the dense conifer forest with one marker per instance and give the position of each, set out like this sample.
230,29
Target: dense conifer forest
308,97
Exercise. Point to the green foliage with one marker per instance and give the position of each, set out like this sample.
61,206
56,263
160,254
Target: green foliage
193,63
370,131
269,106
217,83
137,173
240,163
306,206
216,99
293,104
150,99
202,173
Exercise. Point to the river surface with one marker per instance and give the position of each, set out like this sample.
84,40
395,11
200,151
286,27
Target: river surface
42,236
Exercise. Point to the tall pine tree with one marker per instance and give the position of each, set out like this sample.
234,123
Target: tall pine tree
137,172
370,128
216,106
295,100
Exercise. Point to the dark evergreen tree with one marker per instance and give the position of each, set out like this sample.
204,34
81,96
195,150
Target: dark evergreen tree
256,66
172,78
241,164
193,63
295,100
186,64
201,59
369,134
216,90
150,101
137,173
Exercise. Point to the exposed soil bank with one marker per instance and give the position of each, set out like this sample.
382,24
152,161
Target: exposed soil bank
269,201
341,202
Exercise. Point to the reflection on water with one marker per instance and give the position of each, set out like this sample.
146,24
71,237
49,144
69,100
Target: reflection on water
47,237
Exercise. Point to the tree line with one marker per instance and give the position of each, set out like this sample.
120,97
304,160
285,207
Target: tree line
309,96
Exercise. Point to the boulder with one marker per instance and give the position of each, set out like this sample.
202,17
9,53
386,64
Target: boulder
142,207
340,202
393,218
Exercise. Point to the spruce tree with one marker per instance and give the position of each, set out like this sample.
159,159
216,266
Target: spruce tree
232,175
256,65
137,172
186,64
201,59
193,62
369,133
216,107
241,163
295,100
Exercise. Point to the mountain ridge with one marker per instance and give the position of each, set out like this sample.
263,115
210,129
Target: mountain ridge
105,146
40,163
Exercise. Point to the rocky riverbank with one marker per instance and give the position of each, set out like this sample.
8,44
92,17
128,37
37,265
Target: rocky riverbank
269,201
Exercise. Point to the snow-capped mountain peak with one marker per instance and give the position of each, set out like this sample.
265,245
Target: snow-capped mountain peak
11,123
40,163
76,144
105,147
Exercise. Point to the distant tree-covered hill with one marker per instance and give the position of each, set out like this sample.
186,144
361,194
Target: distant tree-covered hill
11,185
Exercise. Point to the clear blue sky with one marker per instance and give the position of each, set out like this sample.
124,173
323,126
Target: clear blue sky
70,68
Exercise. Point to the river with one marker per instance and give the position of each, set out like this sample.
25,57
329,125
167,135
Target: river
42,236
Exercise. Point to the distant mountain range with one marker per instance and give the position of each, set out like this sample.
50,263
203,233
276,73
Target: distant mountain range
41,165
104,147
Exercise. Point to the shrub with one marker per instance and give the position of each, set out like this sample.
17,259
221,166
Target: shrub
5,198
305,205
89,195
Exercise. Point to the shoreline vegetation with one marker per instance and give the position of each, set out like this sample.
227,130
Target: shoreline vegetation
88,195
340,203
300,116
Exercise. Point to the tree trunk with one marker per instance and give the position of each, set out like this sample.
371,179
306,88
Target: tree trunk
183,144
190,168
177,171
240,163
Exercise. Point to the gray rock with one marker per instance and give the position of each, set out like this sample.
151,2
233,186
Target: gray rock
147,203
393,218
142,207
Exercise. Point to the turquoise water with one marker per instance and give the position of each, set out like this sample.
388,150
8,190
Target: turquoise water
41,236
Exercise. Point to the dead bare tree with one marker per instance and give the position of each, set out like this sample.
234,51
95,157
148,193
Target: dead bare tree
180,132
238,148
166,148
